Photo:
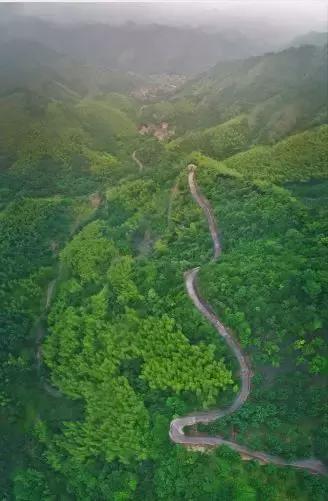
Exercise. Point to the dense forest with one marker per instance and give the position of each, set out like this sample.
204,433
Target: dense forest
101,346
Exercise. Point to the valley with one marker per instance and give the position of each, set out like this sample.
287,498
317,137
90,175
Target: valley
163,264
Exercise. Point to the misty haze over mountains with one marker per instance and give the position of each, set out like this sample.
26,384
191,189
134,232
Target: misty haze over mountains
183,37
284,15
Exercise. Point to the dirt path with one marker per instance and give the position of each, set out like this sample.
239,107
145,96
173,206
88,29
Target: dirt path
137,161
40,332
177,425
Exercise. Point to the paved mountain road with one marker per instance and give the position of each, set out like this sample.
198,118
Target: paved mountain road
177,426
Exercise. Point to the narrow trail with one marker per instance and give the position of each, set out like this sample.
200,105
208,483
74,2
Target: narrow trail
39,326
177,425
40,333
137,161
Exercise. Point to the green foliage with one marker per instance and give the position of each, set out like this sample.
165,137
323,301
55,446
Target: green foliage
115,425
30,485
120,277
89,253
218,142
102,164
122,354
298,158
133,205
270,287
171,362
30,229
179,113
151,152
104,123
281,92
26,229
187,476
67,147
121,102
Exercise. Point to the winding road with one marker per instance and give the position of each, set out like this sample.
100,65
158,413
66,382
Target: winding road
177,425
137,161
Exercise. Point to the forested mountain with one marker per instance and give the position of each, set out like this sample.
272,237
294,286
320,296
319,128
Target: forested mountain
101,346
30,65
280,93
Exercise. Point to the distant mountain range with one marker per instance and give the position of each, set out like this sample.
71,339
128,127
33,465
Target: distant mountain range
142,49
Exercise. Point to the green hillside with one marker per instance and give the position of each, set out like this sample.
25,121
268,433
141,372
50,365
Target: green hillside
298,158
218,142
281,93
271,288
101,346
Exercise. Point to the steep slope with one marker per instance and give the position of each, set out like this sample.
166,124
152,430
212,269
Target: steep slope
281,93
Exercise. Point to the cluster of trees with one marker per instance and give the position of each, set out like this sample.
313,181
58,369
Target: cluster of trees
67,147
49,162
29,231
299,157
217,142
105,348
174,474
26,229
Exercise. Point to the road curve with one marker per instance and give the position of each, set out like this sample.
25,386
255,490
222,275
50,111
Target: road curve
137,161
177,425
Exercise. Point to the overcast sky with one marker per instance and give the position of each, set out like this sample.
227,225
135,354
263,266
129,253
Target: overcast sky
297,15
